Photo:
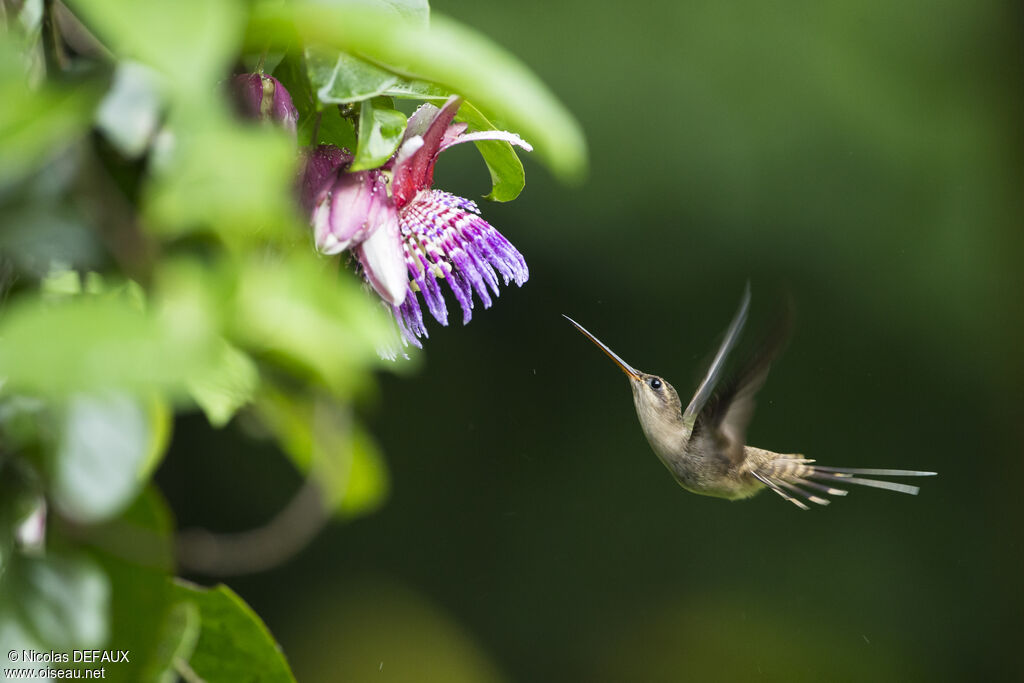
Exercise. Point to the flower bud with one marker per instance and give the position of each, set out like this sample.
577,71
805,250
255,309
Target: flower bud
263,97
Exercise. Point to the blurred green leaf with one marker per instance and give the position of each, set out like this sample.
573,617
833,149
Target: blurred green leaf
61,283
130,112
36,234
192,42
61,601
414,11
384,630
37,123
14,634
218,176
338,78
324,441
507,175
107,447
234,644
227,386
367,482
380,130
309,319
18,494
90,344
20,417
136,552
446,53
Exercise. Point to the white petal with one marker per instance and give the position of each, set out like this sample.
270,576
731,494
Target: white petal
384,263
325,240
502,135
408,148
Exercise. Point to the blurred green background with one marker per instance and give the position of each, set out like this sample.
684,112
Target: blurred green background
864,157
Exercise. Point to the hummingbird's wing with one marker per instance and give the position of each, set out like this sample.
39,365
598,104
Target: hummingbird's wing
727,411
707,385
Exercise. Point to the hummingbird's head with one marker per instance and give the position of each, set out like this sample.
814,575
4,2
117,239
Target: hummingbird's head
657,403
656,400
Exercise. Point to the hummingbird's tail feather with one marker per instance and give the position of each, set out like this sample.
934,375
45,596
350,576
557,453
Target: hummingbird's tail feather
793,488
879,473
842,477
774,487
790,476
820,487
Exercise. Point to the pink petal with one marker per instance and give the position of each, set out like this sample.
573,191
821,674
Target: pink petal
248,89
452,134
350,211
420,120
417,171
283,110
322,166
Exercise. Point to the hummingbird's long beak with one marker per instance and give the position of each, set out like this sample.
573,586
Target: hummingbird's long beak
626,367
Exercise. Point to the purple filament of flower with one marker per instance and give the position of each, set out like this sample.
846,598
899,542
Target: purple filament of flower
443,235
410,320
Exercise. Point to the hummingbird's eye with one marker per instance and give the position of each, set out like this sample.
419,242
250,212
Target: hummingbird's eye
655,383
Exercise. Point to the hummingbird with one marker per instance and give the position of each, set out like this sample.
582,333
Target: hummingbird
703,445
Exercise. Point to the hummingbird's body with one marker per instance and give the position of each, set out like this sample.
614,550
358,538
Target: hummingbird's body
702,445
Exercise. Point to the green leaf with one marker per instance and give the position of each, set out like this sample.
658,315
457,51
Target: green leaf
418,90
20,493
192,42
331,127
227,386
37,123
136,552
234,644
507,175
336,130
21,433
130,112
39,232
414,11
324,441
108,445
308,319
448,54
380,130
178,640
221,177
338,78
60,601
367,482
292,72
91,344
140,536
14,634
